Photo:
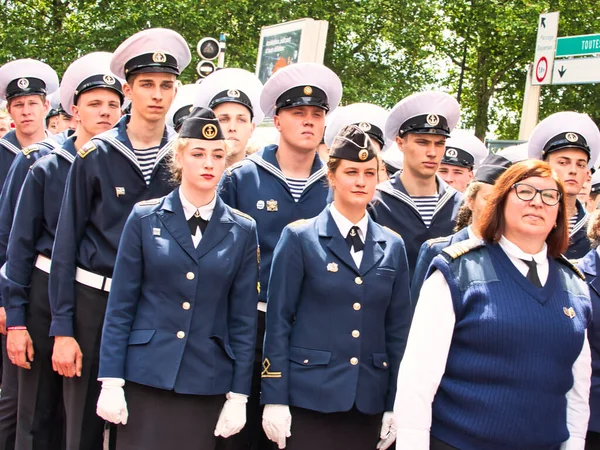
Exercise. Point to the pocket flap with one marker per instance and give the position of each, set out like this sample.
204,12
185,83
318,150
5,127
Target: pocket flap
137,337
308,357
221,343
381,360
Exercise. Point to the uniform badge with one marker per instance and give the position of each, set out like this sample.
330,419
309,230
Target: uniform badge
108,79
451,153
209,131
159,57
572,137
86,149
23,83
433,119
363,154
364,126
272,205
120,191
332,267
260,204
155,231
266,373
307,90
569,312
258,255
258,287
233,93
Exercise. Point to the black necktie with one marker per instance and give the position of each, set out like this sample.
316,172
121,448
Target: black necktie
197,221
353,240
532,274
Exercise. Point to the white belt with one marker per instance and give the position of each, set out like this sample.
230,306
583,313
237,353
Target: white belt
262,306
43,263
93,280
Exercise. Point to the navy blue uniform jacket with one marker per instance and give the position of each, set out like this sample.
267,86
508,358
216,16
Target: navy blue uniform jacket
335,333
180,317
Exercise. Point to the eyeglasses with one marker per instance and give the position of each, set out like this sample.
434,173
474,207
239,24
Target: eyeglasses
526,192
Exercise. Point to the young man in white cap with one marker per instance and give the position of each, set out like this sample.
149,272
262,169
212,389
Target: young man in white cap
416,203
464,152
570,143
282,183
25,84
234,96
110,174
96,96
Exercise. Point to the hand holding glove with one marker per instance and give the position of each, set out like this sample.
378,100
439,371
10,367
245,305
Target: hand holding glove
233,415
388,431
111,404
277,423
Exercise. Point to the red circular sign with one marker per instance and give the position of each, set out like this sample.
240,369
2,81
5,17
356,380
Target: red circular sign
541,69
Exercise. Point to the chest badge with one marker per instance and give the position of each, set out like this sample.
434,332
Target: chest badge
260,204
119,191
569,312
332,267
272,205
155,231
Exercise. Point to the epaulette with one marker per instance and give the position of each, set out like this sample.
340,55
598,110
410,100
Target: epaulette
297,222
152,201
392,231
32,148
239,213
460,248
234,166
563,259
86,149
430,242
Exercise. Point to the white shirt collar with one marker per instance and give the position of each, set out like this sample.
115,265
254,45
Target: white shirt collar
344,224
512,250
470,232
189,209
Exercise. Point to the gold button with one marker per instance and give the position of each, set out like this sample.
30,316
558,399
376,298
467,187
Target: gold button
358,280
355,333
186,305
384,364
354,361
180,334
306,361
356,306
190,275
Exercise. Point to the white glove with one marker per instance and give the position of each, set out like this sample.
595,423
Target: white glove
277,423
111,404
233,415
388,431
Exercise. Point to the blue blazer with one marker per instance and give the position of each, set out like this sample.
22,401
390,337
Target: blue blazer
335,333
590,266
178,317
429,250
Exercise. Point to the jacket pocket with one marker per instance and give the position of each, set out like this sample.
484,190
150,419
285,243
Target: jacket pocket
381,360
386,272
225,347
308,357
138,337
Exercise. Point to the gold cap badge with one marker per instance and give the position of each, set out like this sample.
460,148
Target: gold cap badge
363,154
572,137
433,119
209,131
159,57
307,90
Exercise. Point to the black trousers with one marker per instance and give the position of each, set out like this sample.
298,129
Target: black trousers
252,436
40,423
592,441
8,401
84,428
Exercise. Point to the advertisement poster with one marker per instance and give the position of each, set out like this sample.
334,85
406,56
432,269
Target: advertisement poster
278,50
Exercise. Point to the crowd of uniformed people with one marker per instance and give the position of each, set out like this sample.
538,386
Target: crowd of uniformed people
379,282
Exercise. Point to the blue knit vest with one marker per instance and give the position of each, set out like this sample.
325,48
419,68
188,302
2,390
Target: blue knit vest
510,362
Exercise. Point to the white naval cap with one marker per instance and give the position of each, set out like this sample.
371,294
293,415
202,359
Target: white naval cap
393,157
27,77
566,129
232,86
301,84
152,50
515,153
368,117
182,105
464,149
89,72
55,108
423,113
595,182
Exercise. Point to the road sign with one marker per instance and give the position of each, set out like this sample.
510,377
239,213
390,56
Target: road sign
208,48
587,44
576,71
544,48
205,68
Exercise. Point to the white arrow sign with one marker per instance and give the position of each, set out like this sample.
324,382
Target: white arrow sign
576,71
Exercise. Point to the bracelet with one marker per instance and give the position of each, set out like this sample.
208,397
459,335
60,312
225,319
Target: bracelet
17,328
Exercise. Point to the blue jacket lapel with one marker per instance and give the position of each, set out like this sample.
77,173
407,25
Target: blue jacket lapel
373,251
173,218
218,226
337,244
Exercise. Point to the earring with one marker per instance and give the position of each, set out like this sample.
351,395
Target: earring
555,225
